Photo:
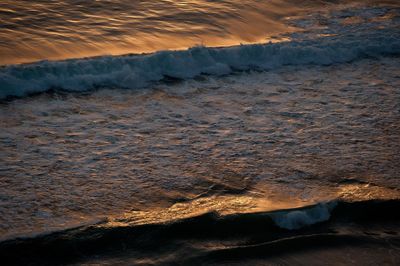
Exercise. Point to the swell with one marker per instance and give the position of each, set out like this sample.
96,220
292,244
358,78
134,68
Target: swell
138,71
257,232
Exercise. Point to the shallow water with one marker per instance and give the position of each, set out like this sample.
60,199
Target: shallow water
295,135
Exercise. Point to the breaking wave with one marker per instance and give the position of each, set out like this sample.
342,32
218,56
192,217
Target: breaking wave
270,227
138,71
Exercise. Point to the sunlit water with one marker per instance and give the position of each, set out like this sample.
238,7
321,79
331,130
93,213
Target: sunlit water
43,30
193,136
37,30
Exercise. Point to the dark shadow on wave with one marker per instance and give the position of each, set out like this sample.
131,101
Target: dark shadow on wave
252,235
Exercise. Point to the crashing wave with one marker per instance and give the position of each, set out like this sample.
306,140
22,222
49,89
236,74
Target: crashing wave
137,71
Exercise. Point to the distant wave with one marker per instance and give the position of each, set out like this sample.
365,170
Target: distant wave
138,71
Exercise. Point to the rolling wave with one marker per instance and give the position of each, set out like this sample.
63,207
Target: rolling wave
138,71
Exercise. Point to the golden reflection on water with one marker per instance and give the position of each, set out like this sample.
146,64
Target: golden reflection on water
360,192
240,204
54,30
59,30
222,205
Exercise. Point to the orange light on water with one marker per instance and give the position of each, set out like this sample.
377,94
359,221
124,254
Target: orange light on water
61,30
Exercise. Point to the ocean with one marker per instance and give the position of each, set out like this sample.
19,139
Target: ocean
201,132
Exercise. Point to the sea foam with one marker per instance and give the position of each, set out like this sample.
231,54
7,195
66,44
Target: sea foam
296,219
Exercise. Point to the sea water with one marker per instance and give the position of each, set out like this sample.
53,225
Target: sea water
276,108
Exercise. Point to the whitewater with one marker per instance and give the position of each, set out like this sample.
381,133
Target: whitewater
199,132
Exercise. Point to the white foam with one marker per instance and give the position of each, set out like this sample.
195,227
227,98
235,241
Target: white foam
137,71
299,218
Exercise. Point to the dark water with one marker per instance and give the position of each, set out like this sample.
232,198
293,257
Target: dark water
283,152
363,233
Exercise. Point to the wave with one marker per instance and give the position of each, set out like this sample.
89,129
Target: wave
138,71
271,229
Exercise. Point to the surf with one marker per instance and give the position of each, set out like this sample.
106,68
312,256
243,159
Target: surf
139,71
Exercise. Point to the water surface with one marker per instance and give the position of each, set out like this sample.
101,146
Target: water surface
202,155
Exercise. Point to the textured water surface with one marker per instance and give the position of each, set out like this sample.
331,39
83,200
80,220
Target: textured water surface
305,134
